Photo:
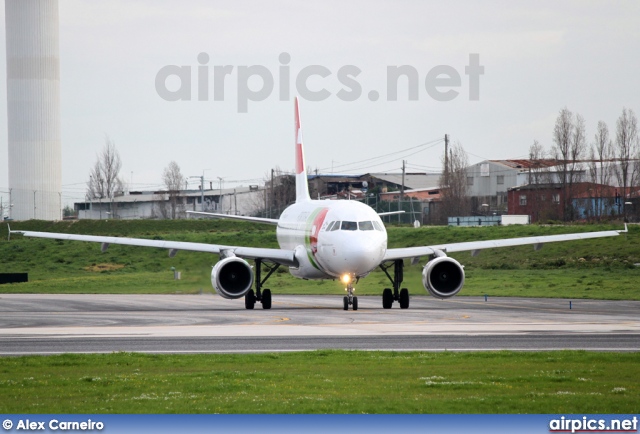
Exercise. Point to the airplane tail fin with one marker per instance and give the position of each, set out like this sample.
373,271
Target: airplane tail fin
302,186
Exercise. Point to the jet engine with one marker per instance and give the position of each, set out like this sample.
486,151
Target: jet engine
232,277
443,277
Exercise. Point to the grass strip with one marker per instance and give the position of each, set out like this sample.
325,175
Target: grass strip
325,381
603,268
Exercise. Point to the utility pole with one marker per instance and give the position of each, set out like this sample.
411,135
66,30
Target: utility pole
220,195
402,187
446,158
401,190
273,199
201,189
202,192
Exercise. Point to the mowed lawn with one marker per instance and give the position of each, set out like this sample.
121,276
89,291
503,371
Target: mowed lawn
323,382
604,268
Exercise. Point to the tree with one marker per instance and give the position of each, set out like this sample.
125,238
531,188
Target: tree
104,180
626,149
570,139
68,211
541,177
600,156
280,191
173,180
159,209
539,172
454,190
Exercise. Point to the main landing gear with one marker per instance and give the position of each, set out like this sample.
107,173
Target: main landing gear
350,299
261,295
399,295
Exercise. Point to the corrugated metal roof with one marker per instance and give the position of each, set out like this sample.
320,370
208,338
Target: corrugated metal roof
526,164
149,196
411,180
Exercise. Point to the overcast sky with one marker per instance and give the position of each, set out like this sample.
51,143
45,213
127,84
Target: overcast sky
538,57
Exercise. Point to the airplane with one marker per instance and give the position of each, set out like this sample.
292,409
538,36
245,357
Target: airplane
327,239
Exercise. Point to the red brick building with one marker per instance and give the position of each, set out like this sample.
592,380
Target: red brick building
544,201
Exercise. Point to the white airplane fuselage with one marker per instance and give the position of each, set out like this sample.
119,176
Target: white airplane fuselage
332,238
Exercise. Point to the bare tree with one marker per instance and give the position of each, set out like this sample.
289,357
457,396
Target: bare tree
600,159
160,208
454,190
104,180
541,177
570,139
173,181
626,149
280,191
539,172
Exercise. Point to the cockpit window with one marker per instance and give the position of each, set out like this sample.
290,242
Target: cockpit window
328,228
349,226
378,226
336,226
365,226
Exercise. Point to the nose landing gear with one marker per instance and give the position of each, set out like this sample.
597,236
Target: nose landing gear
350,299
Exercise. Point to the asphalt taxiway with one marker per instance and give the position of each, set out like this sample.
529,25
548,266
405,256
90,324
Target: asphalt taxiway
49,324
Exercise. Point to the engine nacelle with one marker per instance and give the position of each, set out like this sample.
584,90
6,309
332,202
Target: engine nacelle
232,277
443,277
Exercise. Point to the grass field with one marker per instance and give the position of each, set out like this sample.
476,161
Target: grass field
323,382
600,268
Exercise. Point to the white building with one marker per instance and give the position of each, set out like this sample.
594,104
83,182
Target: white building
489,180
156,204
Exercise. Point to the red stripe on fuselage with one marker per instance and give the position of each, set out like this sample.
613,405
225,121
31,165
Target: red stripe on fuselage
315,229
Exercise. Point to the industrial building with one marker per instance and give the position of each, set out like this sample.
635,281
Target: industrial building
545,201
157,204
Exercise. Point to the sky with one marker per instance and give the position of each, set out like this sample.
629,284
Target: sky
536,58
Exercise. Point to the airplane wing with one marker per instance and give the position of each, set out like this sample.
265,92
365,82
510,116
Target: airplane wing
475,246
284,257
236,217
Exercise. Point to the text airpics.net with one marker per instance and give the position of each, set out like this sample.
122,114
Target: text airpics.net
586,424
256,82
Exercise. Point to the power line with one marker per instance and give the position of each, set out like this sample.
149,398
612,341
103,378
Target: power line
431,142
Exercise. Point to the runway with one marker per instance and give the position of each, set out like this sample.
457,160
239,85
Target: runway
51,324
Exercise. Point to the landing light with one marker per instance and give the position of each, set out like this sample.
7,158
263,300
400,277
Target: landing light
345,279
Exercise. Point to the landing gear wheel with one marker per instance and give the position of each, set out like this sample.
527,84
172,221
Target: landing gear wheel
404,298
389,295
355,303
387,298
345,301
261,295
250,299
266,299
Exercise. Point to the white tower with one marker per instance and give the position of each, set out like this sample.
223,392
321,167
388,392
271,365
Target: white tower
33,107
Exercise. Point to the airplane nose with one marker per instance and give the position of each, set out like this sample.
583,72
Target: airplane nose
361,256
